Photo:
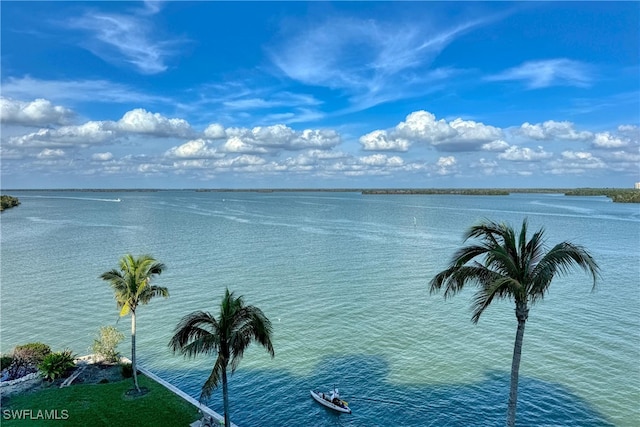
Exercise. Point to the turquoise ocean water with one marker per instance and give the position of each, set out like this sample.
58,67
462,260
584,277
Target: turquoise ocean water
343,277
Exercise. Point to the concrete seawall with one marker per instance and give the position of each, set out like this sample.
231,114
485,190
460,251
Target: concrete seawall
203,408
185,396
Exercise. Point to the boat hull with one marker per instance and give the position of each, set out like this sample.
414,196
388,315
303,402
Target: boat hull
318,398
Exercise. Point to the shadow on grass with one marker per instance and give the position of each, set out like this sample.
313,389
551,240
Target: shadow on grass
276,398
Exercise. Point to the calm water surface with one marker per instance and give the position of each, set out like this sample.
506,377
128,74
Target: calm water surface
344,279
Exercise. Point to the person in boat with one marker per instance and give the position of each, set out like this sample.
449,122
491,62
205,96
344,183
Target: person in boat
335,398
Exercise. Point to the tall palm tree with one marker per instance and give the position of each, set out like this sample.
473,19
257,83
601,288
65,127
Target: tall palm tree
228,336
504,265
131,285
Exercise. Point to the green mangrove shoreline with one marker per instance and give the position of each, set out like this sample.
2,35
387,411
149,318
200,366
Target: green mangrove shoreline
7,202
618,195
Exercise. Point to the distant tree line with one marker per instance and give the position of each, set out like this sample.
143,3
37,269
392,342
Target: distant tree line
618,195
459,191
7,202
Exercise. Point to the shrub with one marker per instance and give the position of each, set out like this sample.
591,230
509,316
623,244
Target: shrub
8,202
127,370
26,359
106,344
5,361
32,353
55,365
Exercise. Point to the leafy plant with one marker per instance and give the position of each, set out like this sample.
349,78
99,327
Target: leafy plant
5,361
34,353
55,365
106,344
126,369
26,359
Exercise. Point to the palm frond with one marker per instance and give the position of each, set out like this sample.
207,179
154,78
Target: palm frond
111,275
502,259
151,292
131,284
196,333
504,264
467,253
213,380
501,287
250,324
560,260
126,309
532,253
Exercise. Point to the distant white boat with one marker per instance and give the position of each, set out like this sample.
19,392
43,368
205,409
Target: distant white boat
117,200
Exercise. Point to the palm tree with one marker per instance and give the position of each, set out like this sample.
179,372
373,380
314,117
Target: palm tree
506,266
228,336
132,287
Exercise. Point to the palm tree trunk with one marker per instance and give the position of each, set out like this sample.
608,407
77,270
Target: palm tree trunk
225,397
522,313
134,366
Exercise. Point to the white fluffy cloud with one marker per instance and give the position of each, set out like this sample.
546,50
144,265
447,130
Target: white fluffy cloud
48,153
83,135
102,157
214,131
575,163
378,140
606,140
194,149
553,130
422,127
243,161
524,154
623,157
445,165
39,112
497,145
237,145
143,122
279,137
134,122
381,160
316,138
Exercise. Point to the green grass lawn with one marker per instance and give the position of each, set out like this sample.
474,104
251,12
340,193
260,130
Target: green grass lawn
101,405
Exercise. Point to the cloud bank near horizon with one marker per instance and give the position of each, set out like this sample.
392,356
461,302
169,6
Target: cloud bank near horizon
316,152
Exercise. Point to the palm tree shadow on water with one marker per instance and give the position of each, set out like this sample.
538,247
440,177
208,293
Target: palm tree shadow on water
276,398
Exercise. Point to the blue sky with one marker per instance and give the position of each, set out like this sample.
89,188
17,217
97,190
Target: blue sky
319,94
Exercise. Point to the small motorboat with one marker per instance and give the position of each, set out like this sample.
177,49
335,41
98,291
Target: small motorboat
331,400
